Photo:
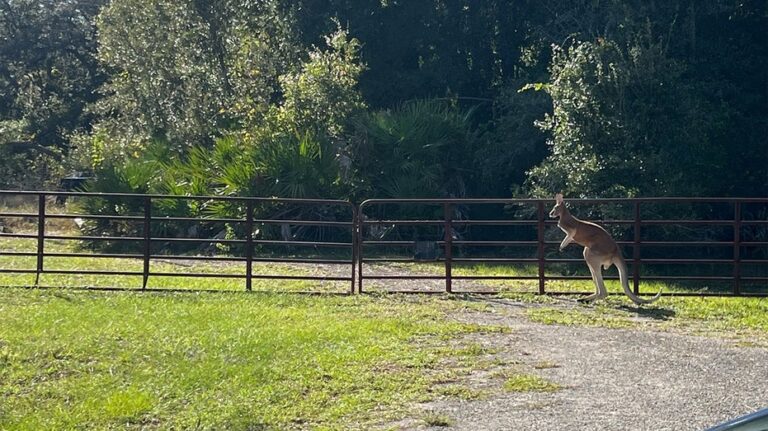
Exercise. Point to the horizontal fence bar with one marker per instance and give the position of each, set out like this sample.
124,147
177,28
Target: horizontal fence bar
93,238
304,243
17,215
196,258
688,261
305,222
186,219
548,222
90,272
494,260
95,255
396,243
495,243
308,260
176,197
199,240
496,277
96,217
403,277
17,235
300,277
18,253
196,219
471,201
195,274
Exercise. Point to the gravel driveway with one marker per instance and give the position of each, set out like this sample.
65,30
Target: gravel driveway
612,379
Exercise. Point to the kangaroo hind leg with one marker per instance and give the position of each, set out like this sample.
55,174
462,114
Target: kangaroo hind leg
594,262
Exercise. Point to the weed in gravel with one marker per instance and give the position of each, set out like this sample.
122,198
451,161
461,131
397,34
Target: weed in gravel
434,419
529,383
460,392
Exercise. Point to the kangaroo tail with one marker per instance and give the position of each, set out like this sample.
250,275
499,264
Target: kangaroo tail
622,266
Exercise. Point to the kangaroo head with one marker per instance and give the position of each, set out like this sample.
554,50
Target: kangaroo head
559,207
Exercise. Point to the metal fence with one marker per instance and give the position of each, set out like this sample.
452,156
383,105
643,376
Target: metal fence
150,245
536,233
437,231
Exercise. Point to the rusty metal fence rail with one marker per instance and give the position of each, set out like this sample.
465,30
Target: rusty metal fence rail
369,234
146,252
447,219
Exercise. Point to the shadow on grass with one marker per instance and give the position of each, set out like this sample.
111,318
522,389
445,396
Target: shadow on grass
655,313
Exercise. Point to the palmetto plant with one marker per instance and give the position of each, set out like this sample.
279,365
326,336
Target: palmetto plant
419,149
422,149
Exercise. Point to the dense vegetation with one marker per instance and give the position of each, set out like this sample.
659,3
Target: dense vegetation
387,98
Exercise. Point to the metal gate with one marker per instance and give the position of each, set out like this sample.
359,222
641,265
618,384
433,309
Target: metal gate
145,219
536,234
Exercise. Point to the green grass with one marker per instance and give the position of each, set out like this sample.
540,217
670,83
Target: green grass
460,391
100,360
529,383
433,419
727,317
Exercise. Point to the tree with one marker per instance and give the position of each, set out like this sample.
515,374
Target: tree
645,107
186,72
48,75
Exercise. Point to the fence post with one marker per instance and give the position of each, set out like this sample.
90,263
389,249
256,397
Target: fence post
360,221
355,251
147,239
248,245
540,245
737,248
636,251
40,236
448,237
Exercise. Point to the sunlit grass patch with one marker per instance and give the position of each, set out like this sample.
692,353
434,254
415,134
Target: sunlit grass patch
720,313
529,383
725,315
459,391
435,419
83,359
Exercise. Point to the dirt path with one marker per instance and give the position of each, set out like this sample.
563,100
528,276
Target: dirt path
611,379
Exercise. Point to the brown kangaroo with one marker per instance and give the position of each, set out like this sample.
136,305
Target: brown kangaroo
599,250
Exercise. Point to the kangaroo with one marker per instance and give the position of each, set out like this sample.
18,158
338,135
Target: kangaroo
599,250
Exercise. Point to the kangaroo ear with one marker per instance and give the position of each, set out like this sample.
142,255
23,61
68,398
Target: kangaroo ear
559,197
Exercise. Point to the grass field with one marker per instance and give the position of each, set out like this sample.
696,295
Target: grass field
101,360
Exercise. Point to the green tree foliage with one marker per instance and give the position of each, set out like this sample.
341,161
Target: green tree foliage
416,150
186,72
425,49
636,116
626,86
47,78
